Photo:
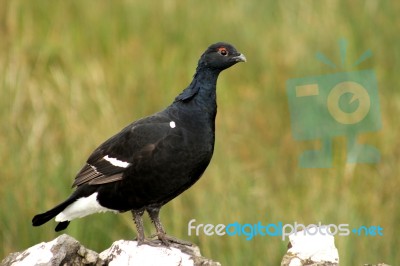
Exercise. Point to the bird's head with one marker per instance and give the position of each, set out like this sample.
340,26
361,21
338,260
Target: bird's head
220,56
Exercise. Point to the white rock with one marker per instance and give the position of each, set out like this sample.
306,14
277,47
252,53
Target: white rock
318,247
124,252
38,254
63,249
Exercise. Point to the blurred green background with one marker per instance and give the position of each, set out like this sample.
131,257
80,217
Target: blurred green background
72,73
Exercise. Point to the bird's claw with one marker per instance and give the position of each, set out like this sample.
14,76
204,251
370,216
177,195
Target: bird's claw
149,242
167,240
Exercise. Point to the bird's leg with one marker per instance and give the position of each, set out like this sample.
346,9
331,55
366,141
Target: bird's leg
137,217
154,216
161,235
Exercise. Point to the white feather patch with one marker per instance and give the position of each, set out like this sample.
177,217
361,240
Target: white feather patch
82,207
172,124
116,162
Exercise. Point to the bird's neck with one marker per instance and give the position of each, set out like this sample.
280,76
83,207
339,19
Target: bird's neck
199,100
205,81
202,89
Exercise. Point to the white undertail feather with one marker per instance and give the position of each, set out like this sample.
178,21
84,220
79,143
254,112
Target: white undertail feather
80,208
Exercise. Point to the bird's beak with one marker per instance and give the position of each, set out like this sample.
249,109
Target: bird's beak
240,58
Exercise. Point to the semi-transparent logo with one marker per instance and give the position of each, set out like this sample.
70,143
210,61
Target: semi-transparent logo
343,103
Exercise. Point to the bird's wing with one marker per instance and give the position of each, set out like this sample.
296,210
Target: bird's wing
136,142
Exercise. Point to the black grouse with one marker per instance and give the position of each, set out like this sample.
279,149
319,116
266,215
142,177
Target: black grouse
154,159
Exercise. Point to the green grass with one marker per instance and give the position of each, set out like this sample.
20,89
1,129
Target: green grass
72,73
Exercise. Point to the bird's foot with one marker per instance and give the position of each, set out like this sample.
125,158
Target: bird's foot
167,240
149,242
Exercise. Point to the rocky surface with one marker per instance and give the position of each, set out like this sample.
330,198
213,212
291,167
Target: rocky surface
65,250
304,249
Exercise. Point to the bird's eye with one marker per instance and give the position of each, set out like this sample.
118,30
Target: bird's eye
223,51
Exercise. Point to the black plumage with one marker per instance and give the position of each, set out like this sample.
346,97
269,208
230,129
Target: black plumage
154,159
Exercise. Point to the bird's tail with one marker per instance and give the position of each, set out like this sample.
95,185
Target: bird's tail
47,216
